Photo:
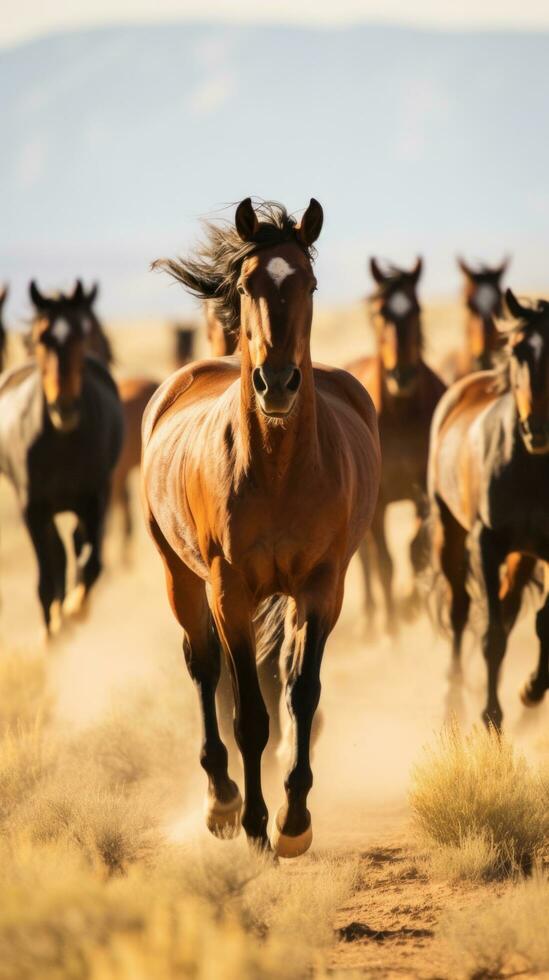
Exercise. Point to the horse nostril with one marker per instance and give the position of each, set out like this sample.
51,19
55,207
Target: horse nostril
294,380
259,382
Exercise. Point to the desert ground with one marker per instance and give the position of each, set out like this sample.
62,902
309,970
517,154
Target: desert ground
110,719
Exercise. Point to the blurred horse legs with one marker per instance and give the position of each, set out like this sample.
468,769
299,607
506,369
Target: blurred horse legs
535,688
385,569
486,556
52,563
89,531
367,556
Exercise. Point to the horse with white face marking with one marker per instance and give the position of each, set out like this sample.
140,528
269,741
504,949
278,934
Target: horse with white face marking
60,436
489,489
260,475
405,392
483,295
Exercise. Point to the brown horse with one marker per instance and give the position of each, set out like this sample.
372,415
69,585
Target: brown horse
134,393
405,393
260,475
4,290
488,479
483,294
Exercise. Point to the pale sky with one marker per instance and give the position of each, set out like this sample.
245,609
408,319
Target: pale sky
24,19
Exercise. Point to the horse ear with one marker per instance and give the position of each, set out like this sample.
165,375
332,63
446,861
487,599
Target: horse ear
78,292
417,270
40,302
4,290
311,223
246,221
92,295
376,271
503,267
514,307
464,267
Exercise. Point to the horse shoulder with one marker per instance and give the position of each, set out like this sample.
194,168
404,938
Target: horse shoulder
192,383
345,386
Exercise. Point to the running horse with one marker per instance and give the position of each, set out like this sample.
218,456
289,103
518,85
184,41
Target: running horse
483,295
260,474
60,436
4,290
488,479
405,392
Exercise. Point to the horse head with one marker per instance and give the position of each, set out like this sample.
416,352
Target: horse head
528,349
59,347
396,317
483,297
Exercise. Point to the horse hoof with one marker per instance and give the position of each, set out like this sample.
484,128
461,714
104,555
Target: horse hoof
74,603
223,819
285,846
530,697
56,619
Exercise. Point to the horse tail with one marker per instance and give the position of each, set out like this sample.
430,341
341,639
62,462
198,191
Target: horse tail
269,625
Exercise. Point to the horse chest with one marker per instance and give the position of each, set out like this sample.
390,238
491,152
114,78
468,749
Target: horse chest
516,503
279,546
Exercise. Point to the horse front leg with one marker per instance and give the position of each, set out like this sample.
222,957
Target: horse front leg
486,555
366,554
534,690
187,597
88,540
52,564
232,608
385,569
419,557
292,832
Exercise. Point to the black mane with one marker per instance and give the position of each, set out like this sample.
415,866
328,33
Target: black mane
213,272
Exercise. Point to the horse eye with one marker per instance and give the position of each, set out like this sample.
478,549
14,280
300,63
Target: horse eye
241,289
314,288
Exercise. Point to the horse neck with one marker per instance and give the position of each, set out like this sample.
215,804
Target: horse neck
271,449
489,350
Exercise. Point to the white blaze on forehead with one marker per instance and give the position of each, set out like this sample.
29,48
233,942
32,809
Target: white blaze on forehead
279,270
486,297
399,304
60,331
535,341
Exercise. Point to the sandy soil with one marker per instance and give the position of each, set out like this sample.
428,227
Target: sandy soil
381,702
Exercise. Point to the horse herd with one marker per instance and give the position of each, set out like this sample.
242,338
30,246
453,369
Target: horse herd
263,473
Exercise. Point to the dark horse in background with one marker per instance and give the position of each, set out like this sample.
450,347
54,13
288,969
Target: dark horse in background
489,491
60,437
405,392
134,392
3,334
483,295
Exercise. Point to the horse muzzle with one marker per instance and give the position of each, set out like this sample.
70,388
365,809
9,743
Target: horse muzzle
535,435
402,381
64,416
276,391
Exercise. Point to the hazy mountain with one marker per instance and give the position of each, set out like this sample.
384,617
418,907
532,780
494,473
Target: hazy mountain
114,141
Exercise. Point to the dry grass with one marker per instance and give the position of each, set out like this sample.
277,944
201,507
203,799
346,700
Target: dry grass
90,888
477,802
504,935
